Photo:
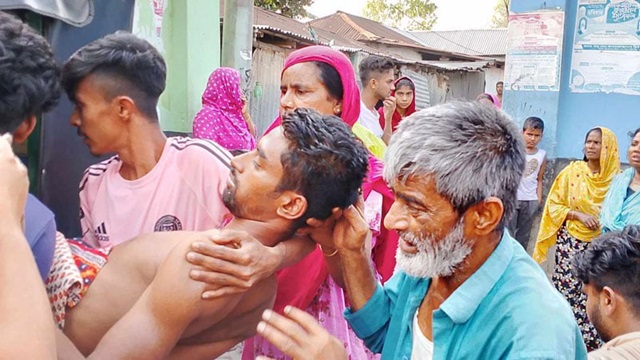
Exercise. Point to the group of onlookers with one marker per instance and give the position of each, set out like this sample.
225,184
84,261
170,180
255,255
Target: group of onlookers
409,242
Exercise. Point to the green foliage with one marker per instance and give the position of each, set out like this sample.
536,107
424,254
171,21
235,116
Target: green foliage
402,14
500,14
289,8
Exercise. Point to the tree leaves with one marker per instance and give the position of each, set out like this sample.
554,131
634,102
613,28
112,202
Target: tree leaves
402,14
289,8
500,14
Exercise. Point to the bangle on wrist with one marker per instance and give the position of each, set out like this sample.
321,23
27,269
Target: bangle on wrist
325,254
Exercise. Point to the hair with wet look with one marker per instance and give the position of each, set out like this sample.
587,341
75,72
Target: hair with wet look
325,162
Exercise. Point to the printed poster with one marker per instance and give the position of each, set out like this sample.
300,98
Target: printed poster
606,50
535,51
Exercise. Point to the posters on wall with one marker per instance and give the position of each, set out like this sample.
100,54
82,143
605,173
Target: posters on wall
535,51
606,50
147,21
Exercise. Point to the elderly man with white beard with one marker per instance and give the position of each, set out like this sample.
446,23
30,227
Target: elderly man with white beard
463,287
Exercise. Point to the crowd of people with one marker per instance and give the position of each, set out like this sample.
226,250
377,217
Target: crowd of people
356,227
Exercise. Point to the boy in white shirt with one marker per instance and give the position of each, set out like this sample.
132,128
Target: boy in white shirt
530,188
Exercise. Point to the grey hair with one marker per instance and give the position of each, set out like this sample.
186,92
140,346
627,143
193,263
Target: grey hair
472,151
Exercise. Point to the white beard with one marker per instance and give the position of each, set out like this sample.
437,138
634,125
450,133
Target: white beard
434,258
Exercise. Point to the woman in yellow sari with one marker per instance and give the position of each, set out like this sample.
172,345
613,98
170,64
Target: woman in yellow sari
570,218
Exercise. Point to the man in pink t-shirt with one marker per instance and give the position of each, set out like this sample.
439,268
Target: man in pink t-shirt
153,183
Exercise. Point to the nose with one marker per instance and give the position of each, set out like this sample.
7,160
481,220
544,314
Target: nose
74,119
395,219
286,102
236,163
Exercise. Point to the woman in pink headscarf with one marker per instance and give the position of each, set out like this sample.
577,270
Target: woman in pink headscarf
488,99
323,79
224,117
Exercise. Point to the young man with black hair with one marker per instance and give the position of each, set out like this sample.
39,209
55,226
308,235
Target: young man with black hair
376,76
610,273
154,183
302,170
30,85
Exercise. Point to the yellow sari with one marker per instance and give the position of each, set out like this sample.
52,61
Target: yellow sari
576,188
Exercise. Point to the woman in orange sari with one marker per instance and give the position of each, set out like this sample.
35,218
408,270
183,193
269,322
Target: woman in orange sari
570,218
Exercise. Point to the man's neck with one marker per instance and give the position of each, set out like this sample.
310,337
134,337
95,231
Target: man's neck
482,249
369,98
625,323
269,234
531,151
143,146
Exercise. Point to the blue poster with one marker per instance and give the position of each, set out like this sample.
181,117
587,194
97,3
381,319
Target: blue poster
606,51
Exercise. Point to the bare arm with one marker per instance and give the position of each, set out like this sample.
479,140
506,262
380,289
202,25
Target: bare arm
351,236
388,110
65,348
540,178
26,324
170,308
236,269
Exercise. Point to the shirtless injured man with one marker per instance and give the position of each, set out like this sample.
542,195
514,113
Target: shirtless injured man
137,300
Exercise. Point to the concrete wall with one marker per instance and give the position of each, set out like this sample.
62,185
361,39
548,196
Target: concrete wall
568,116
491,76
187,33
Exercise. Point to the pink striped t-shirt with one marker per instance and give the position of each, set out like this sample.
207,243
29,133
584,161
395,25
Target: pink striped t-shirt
182,192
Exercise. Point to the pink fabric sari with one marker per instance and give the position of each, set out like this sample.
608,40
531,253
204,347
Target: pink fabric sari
307,285
220,118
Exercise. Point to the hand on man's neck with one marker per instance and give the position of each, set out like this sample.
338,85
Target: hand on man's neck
268,233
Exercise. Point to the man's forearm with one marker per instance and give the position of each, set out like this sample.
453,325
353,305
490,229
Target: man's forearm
293,250
334,264
24,306
358,276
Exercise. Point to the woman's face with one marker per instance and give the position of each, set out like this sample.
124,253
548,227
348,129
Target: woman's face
301,87
593,145
634,152
404,96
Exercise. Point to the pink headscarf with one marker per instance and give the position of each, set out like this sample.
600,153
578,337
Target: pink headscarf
491,97
298,284
340,62
220,118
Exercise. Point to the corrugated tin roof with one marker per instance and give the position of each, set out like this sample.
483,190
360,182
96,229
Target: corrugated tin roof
264,19
458,65
276,23
363,29
485,42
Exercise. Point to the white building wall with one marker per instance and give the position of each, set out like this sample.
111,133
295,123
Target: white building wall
491,76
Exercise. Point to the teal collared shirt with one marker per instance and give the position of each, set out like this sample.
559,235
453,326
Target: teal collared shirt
507,309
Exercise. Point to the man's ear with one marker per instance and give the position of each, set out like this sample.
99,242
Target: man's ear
25,129
126,107
609,301
485,216
373,83
292,206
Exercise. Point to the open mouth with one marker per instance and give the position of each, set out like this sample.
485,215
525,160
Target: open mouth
407,247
